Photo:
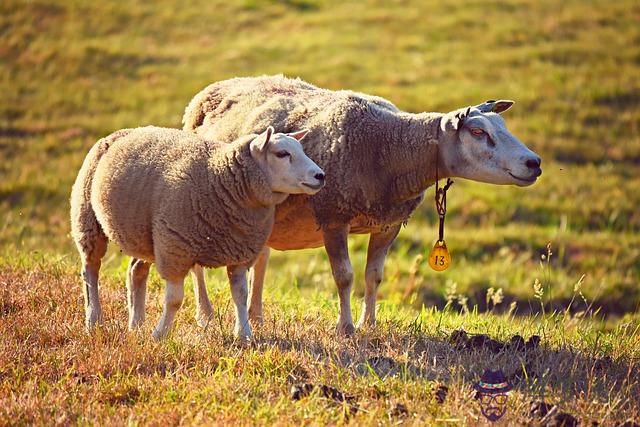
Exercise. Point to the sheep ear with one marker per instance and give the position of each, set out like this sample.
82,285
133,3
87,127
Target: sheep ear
453,121
261,141
493,106
299,134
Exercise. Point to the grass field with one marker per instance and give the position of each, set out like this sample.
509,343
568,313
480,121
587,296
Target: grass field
73,71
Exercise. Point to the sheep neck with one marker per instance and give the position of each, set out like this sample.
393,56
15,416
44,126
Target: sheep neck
238,180
421,146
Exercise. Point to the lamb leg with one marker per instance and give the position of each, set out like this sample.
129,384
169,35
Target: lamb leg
379,244
335,242
238,280
93,310
256,279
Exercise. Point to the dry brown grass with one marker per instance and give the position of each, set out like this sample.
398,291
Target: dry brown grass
53,372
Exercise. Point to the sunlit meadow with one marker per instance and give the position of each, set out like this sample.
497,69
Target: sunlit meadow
560,260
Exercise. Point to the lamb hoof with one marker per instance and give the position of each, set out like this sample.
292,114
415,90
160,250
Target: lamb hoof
203,320
255,318
92,321
242,333
345,330
244,337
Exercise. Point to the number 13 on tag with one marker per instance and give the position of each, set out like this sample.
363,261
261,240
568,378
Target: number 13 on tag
439,258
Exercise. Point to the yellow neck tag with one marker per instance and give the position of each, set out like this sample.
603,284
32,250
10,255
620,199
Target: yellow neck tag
439,258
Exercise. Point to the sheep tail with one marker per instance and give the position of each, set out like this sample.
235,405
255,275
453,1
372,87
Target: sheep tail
86,231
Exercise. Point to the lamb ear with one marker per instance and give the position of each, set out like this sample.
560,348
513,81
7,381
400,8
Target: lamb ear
299,134
493,106
261,141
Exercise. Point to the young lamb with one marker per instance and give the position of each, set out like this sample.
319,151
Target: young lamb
175,199
380,161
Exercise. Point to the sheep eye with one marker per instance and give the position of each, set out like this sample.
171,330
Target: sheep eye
477,132
282,154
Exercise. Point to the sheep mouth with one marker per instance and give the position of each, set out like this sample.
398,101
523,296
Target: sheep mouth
529,179
314,187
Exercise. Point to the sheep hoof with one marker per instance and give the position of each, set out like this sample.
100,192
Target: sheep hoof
365,324
158,334
345,330
135,324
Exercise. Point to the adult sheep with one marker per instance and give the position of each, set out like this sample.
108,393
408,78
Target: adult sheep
378,160
170,197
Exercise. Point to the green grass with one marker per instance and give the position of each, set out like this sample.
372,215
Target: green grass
74,71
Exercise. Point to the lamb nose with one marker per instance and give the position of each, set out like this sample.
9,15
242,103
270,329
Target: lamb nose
319,177
533,162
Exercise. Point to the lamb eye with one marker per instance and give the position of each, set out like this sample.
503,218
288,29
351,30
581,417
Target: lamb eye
282,154
477,132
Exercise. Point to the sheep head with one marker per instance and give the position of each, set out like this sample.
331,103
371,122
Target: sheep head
477,145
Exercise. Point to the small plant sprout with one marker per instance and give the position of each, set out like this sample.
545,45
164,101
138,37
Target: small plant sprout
464,303
577,288
538,293
451,289
494,297
512,308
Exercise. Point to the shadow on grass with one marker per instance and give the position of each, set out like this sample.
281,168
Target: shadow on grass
393,350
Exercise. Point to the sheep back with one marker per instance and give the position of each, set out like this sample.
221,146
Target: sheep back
353,137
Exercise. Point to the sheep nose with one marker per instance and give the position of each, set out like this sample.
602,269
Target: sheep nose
533,162
319,176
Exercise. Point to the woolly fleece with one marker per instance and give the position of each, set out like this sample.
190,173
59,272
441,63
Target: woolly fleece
378,159
170,197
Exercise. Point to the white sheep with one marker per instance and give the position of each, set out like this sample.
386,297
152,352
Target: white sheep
172,198
379,162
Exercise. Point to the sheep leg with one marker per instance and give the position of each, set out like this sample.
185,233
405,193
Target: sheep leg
174,293
92,246
92,308
335,243
137,274
379,244
204,312
238,280
256,279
